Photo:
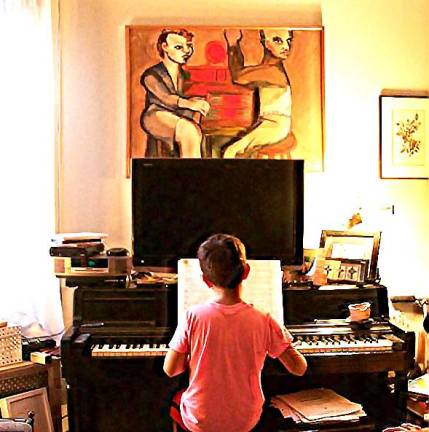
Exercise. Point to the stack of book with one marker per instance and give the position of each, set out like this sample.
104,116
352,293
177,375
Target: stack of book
77,247
317,406
418,396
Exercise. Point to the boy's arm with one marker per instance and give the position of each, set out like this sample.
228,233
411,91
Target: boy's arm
175,363
293,361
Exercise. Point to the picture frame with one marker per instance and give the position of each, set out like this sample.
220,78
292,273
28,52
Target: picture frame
235,108
404,136
347,271
21,404
351,245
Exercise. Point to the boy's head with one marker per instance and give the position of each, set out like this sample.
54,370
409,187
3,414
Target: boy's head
223,260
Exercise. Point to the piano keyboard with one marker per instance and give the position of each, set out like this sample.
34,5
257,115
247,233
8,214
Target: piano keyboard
128,350
346,343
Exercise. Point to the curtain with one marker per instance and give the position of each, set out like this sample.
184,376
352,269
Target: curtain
29,292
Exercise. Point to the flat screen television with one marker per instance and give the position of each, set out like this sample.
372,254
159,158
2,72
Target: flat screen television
178,203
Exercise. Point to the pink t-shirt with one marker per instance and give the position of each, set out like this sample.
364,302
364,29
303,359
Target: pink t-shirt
227,345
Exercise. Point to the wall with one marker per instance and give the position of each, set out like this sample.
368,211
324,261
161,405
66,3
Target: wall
369,46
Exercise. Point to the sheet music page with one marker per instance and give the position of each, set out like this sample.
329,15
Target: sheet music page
320,403
288,411
191,288
262,288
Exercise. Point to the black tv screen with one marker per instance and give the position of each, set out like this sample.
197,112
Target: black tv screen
178,203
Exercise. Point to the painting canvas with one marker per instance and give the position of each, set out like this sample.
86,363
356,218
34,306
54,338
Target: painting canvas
404,136
215,92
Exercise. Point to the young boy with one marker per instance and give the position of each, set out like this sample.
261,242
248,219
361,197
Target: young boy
224,344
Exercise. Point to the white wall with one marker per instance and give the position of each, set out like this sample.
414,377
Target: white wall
369,46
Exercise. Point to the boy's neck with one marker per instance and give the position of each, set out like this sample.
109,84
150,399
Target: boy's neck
227,296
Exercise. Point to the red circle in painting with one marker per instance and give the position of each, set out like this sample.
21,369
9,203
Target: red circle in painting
215,52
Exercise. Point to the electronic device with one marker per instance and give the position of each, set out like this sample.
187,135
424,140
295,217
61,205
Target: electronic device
178,203
76,250
118,251
31,345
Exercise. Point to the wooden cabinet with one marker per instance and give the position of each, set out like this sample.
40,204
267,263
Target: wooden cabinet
25,376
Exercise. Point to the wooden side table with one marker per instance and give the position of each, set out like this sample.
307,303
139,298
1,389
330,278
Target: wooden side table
26,376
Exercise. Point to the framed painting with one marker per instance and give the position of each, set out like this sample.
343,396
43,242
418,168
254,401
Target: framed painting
353,245
404,137
217,92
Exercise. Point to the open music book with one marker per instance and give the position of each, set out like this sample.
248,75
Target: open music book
262,288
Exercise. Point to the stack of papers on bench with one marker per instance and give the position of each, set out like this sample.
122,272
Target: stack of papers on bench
317,406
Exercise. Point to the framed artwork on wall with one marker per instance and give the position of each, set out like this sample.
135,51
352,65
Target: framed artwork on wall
217,92
404,136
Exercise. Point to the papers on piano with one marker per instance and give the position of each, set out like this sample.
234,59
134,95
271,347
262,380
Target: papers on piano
149,277
317,406
262,288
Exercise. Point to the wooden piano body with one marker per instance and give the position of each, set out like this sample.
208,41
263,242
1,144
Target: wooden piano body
131,393
376,378
119,393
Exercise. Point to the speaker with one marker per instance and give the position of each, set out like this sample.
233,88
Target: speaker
119,264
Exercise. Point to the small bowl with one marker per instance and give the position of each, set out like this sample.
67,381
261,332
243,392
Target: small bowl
360,311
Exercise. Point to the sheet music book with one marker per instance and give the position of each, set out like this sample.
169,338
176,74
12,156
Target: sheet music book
316,406
262,288
319,404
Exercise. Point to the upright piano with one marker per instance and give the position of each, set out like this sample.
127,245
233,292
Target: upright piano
366,362
113,355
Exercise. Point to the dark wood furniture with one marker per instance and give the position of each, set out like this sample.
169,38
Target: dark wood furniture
138,391
375,379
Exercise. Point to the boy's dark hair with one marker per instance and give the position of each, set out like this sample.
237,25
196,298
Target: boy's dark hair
223,260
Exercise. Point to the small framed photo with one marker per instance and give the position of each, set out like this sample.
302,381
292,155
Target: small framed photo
344,270
404,136
21,404
350,245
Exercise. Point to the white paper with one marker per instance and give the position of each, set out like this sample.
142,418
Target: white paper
262,288
287,411
316,404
